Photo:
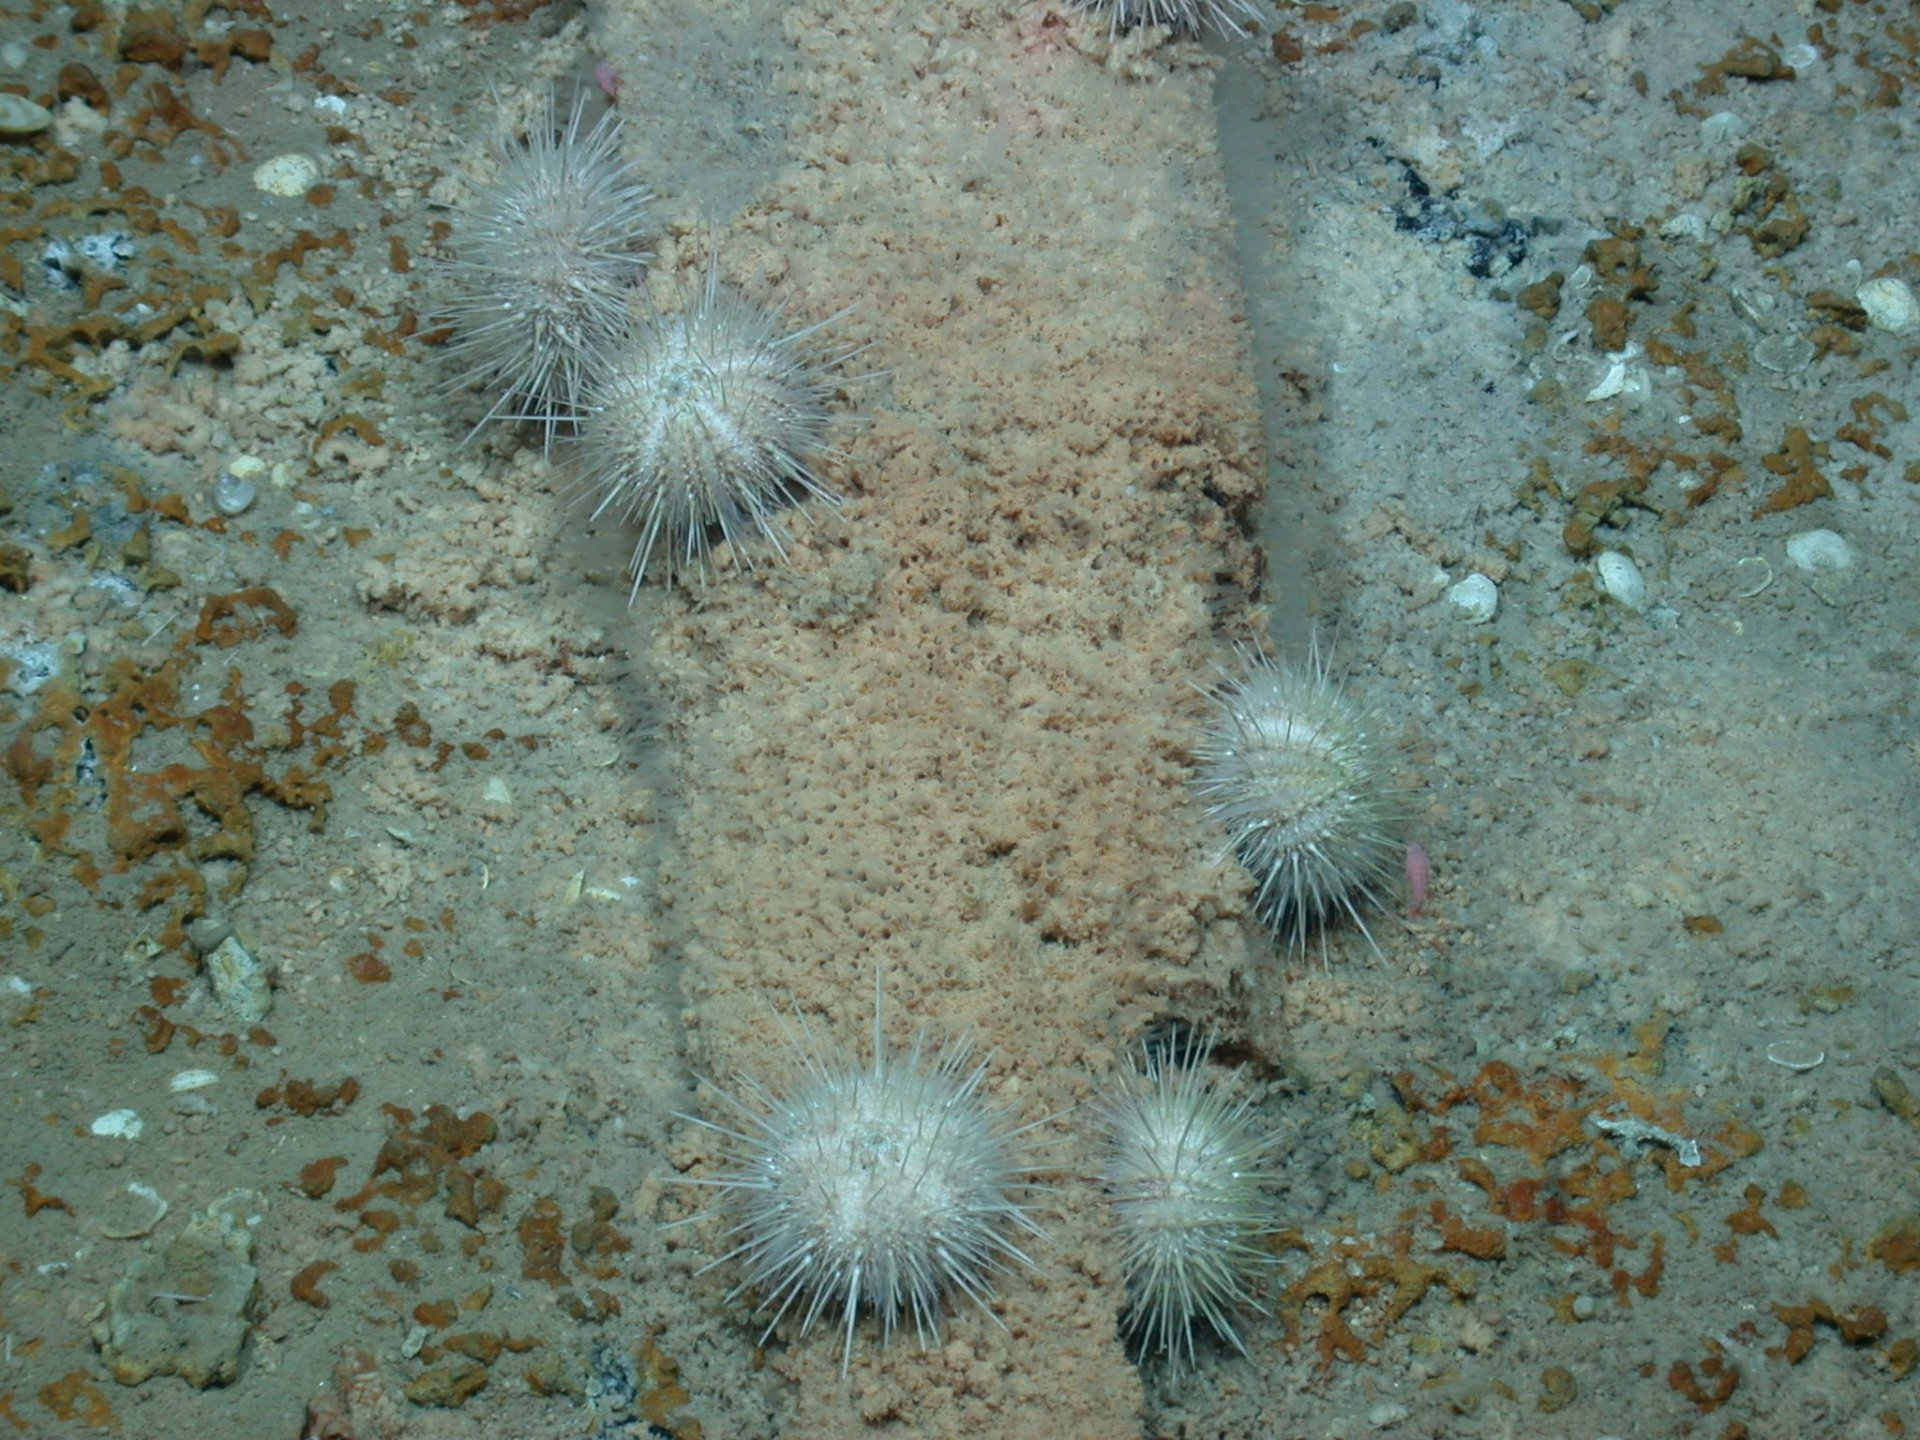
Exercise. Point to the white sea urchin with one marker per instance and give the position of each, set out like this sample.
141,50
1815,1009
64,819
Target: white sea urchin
704,420
1288,767
876,1187
546,255
1184,1171
1229,17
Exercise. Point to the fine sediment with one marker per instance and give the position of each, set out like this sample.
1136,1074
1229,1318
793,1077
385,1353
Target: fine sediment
948,741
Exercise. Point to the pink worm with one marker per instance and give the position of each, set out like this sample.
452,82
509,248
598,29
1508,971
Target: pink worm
1418,873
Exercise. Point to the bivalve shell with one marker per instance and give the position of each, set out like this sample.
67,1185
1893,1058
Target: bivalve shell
1819,552
1889,303
118,1125
20,116
1620,579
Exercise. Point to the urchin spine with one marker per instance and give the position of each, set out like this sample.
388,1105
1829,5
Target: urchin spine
547,253
709,419
1185,1173
874,1189
1289,769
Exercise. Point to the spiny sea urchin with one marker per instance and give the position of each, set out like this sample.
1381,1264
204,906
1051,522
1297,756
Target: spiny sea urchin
547,253
1229,17
704,420
1184,1172
876,1187
1289,768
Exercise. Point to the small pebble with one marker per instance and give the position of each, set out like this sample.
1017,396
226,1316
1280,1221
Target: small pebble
288,176
1474,599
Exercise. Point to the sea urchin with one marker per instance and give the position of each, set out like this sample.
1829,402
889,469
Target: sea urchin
876,1187
547,253
1184,1173
1229,17
705,420
1288,767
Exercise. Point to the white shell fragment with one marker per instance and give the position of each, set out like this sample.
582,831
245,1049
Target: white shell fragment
289,176
20,116
1819,552
1620,579
1784,354
118,1125
1723,127
1889,303
242,984
1474,599
1635,1134
1625,375
192,1080
1796,1054
142,1226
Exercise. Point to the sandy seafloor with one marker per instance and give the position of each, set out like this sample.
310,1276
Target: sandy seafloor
1184,346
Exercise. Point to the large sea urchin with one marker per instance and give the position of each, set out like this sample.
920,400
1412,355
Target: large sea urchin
707,420
546,256
1229,17
1184,1173
1288,767
876,1187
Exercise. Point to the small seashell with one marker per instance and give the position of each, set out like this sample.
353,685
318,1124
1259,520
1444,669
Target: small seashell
1750,575
232,495
1784,353
1795,1054
20,116
1819,552
1620,580
1722,128
118,1125
1889,303
192,1080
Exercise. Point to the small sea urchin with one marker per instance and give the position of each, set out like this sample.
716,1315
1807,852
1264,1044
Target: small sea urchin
877,1187
1288,767
1184,1172
547,253
707,420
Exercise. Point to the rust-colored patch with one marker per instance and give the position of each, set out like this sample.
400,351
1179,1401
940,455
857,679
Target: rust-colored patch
37,1199
306,1099
317,1176
1862,1327
1714,1383
229,620
74,1396
542,1244
1396,1281
1801,480
305,1286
